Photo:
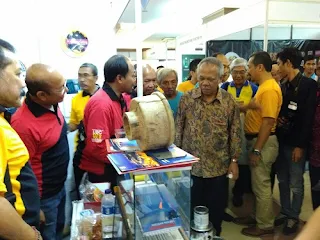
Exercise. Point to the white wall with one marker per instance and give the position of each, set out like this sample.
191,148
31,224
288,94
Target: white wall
36,28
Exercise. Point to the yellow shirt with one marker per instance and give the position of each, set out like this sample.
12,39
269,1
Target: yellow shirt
159,89
269,97
78,105
18,183
185,86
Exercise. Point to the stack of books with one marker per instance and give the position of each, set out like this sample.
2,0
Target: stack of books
126,157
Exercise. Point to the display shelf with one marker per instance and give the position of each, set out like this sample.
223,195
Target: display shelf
160,200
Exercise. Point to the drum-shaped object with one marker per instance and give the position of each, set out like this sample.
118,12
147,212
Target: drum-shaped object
150,122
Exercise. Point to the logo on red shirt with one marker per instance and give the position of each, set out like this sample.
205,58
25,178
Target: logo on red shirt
97,135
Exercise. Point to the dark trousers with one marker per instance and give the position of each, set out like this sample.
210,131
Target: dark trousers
110,175
315,190
243,183
78,174
54,212
212,193
291,182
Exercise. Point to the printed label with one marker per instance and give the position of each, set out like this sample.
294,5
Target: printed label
97,135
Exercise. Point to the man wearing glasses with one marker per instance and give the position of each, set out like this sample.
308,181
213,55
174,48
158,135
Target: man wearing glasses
87,77
243,91
43,129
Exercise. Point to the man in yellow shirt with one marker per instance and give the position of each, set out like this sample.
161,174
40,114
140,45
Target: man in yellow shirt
87,77
260,125
19,195
190,84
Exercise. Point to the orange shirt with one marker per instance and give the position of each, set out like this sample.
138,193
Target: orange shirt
186,86
269,97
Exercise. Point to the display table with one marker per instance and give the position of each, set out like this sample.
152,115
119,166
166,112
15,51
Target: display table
156,206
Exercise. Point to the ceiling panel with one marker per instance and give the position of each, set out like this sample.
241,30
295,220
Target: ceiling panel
154,9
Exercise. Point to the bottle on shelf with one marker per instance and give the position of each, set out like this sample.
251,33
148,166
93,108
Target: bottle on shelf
107,203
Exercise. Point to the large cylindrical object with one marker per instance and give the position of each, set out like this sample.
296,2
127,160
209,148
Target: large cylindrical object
150,122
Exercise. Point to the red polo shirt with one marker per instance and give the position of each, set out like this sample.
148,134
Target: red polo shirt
44,132
102,115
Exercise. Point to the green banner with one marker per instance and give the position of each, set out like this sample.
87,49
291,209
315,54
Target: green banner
186,60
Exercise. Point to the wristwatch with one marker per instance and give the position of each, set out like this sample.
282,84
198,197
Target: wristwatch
256,152
234,160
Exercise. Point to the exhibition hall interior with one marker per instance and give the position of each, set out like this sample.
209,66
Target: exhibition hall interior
160,119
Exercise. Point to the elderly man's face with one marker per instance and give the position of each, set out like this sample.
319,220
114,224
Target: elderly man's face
169,85
208,78
11,84
239,75
149,82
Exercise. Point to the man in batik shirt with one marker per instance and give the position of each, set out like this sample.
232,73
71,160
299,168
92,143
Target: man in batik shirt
208,126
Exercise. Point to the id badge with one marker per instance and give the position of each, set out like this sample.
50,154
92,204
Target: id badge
293,106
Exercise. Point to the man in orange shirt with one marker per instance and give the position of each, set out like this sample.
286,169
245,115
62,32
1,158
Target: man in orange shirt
192,83
260,125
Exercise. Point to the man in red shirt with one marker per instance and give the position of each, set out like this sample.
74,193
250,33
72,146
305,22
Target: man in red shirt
42,127
102,115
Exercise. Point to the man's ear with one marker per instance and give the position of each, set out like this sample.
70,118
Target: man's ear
41,95
288,62
119,78
260,67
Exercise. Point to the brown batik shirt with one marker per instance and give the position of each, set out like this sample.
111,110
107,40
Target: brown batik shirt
210,131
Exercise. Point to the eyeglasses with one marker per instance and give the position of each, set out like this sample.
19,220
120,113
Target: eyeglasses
238,72
85,75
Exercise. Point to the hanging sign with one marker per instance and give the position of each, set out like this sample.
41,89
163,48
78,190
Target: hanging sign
75,43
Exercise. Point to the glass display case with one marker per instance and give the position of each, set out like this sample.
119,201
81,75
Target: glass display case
160,203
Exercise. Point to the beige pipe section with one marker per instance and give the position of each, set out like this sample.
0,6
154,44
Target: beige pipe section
150,122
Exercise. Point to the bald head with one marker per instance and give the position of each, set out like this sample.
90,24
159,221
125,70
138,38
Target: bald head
149,79
275,72
225,62
147,70
42,80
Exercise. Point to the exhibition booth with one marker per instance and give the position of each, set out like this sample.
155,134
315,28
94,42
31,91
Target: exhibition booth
264,25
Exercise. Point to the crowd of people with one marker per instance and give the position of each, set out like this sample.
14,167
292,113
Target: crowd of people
248,120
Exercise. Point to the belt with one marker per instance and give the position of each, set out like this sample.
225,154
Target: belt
255,135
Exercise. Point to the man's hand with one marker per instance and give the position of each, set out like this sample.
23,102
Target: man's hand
297,154
42,218
254,159
72,127
233,168
253,104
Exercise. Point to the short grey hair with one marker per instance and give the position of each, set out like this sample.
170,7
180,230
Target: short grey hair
164,72
213,61
239,62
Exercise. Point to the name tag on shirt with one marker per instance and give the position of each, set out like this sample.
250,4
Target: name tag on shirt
293,106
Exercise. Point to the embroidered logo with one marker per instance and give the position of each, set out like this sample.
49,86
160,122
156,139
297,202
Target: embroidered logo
97,135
